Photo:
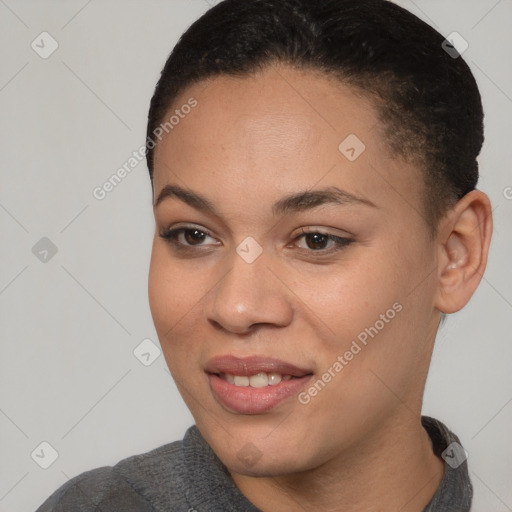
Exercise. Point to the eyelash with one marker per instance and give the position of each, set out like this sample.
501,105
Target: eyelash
171,235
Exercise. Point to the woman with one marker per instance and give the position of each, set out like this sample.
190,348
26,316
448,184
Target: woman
314,169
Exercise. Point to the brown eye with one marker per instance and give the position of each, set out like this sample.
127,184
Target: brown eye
323,243
316,240
194,236
187,237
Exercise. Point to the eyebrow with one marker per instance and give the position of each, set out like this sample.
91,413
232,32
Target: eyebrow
298,201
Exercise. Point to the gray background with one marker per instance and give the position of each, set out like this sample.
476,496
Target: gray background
68,375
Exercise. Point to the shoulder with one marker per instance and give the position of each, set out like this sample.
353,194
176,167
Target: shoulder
130,485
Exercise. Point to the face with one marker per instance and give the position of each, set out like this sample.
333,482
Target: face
291,279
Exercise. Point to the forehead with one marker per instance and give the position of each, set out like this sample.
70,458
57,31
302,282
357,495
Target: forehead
279,107
279,130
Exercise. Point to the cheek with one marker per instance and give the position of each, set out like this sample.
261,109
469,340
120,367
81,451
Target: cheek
350,297
170,293
368,316
176,298
160,286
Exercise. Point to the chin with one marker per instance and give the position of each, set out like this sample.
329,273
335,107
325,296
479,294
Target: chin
264,467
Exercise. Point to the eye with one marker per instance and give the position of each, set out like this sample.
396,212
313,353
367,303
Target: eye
187,237
317,241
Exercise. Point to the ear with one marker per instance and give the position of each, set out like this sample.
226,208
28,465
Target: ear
464,236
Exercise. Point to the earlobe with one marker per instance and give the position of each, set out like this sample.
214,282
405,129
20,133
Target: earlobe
463,249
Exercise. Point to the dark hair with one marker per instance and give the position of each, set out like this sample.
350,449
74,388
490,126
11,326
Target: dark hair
427,99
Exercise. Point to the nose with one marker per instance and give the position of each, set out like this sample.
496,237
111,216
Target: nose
249,294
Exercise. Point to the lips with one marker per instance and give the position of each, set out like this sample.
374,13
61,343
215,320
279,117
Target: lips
247,366
253,385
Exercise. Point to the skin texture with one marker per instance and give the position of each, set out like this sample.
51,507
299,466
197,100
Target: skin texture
358,444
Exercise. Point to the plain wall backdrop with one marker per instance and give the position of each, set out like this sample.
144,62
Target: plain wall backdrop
71,319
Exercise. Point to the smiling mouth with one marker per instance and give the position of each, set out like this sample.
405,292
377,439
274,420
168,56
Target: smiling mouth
254,384
254,371
258,380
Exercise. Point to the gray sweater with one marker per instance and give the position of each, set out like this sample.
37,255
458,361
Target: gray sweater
187,476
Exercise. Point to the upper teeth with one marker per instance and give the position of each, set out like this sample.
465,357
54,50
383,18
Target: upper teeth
260,380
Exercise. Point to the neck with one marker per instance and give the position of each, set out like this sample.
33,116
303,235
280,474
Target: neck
393,469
